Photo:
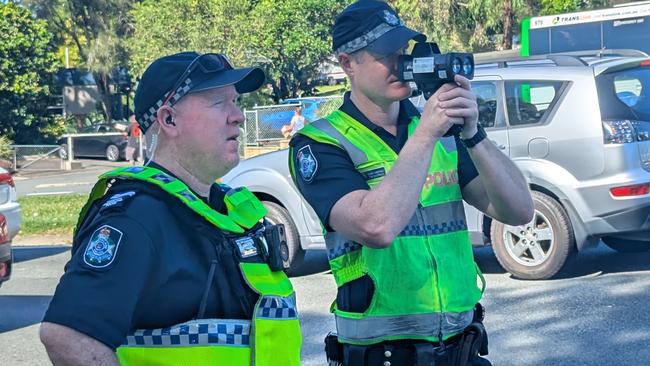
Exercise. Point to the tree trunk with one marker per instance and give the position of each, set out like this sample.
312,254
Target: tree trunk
507,25
103,80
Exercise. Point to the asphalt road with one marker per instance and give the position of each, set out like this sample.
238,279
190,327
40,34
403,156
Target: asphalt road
594,314
63,182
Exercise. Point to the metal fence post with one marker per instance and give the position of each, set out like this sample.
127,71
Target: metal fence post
68,164
15,167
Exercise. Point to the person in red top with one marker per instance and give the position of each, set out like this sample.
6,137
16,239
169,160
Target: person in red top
133,141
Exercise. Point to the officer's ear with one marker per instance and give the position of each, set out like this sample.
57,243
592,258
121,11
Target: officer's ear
166,121
348,61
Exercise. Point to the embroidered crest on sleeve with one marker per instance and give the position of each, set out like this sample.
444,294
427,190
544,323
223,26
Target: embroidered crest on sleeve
307,163
102,247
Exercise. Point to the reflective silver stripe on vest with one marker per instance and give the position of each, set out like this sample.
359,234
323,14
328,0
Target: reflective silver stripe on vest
357,155
432,220
377,328
449,143
225,332
277,307
337,245
438,219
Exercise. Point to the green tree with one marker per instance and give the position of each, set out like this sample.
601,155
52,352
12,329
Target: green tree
164,27
97,28
27,61
289,39
292,39
472,25
549,7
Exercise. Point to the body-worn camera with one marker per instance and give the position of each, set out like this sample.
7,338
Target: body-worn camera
429,70
263,245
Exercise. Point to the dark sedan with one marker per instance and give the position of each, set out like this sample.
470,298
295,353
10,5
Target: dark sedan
99,140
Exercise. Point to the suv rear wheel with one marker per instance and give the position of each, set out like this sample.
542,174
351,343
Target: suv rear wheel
626,245
292,253
538,249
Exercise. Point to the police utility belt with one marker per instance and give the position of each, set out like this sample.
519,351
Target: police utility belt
459,350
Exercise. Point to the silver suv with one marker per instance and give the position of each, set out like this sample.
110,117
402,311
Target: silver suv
578,127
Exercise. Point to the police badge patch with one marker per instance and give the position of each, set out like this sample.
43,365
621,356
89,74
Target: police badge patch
102,247
307,163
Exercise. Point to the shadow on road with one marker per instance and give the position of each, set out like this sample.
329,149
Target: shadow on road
23,254
19,311
602,260
592,261
313,338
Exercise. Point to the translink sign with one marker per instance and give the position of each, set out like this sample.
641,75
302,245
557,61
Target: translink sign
636,11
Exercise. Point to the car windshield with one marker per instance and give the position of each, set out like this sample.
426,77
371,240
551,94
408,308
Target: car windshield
631,94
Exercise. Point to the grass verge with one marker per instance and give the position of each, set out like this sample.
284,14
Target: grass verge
327,90
56,214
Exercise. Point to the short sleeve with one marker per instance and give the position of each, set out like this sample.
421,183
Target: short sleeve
324,174
104,279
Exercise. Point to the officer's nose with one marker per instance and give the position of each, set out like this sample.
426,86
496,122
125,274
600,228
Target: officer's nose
236,116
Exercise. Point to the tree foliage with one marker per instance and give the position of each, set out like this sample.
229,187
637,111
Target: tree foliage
292,39
164,27
97,28
480,25
27,61
549,7
289,39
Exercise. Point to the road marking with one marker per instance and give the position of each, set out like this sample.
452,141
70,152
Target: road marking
48,193
53,185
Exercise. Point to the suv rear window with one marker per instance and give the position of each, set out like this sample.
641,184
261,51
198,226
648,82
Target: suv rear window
625,94
529,101
486,98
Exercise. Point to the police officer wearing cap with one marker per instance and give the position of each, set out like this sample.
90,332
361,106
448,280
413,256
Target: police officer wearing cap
167,267
389,189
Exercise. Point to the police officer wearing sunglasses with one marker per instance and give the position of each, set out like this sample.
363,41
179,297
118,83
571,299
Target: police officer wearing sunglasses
168,267
389,188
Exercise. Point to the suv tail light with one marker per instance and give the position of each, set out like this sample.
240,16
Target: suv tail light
633,190
625,131
6,178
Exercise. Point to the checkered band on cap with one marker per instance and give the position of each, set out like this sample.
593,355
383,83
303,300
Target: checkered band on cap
277,307
147,119
366,39
196,332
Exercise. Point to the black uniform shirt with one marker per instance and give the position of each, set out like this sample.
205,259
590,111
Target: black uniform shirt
157,270
335,174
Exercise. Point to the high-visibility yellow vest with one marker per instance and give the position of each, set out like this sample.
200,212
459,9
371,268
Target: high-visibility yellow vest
426,282
271,337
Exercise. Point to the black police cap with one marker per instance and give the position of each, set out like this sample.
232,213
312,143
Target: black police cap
164,74
372,25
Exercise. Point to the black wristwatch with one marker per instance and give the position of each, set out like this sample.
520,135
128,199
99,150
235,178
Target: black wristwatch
479,136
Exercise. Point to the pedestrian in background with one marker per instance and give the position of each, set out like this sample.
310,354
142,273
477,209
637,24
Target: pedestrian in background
297,123
388,186
133,142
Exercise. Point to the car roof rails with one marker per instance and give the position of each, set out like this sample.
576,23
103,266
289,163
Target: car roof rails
574,58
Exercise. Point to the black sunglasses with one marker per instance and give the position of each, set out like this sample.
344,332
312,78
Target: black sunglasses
208,62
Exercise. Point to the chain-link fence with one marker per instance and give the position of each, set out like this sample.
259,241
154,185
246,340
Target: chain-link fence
36,157
263,128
